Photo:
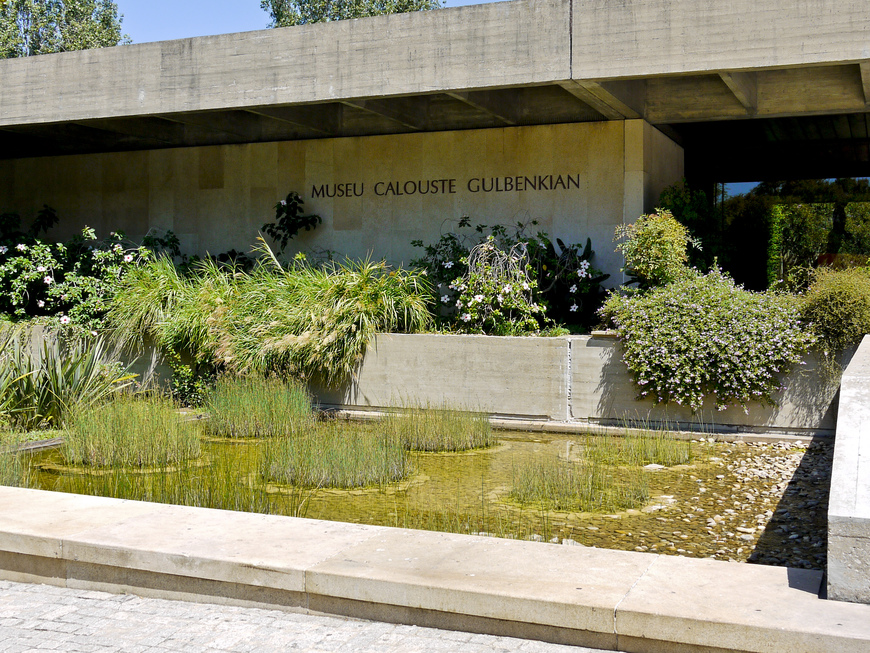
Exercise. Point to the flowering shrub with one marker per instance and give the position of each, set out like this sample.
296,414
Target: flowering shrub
654,248
567,289
705,335
72,282
837,306
496,294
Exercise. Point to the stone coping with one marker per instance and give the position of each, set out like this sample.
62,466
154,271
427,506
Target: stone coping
568,594
849,504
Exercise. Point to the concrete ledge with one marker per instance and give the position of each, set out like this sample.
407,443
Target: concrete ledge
576,382
574,595
849,504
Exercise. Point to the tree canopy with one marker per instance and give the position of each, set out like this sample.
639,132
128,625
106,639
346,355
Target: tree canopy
29,27
300,12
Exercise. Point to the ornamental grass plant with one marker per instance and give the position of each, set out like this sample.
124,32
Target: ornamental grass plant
130,432
40,382
304,320
440,429
336,455
257,407
14,467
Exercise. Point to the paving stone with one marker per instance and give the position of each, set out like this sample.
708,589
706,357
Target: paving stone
39,617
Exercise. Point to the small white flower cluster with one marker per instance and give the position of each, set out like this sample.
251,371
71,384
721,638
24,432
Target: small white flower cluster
583,270
21,247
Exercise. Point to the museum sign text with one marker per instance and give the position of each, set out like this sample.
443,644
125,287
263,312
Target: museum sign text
398,188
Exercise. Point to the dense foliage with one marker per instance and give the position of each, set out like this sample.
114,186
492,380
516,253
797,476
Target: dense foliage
30,27
563,287
837,307
655,249
703,335
285,13
306,320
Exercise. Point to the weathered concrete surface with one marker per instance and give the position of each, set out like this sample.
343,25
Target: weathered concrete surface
576,595
507,376
651,37
402,54
849,504
579,379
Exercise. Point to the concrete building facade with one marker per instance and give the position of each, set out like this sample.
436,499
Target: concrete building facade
575,113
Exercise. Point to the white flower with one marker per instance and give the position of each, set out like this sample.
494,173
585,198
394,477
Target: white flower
128,258
3,249
466,317
445,299
21,247
573,288
525,286
507,288
479,298
574,308
283,202
47,280
458,304
64,319
40,303
448,264
500,299
40,268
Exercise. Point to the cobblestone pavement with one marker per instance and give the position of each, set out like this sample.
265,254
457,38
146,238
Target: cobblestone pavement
42,617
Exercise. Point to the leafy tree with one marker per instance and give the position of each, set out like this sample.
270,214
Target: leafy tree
301,12
30,27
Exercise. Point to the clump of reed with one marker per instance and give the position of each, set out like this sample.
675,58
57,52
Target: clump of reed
337,456
130,432
644,448
256,407
14,467
440,429
555,484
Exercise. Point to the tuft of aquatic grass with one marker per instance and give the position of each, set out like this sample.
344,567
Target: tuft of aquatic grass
555,484
440,429
336,455
14,466
130,432
223,484
632,449
255,407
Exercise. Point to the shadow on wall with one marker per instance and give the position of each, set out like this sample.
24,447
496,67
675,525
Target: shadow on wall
808,403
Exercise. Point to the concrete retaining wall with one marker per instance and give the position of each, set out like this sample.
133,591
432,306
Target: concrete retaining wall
578,379
849,504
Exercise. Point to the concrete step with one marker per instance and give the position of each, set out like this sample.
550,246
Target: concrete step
565,594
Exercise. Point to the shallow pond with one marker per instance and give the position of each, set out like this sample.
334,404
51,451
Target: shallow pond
765,503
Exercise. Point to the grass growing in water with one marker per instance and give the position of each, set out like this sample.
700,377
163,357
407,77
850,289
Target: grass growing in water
131,432
254,407
14,467
652,447
336,455
440,429
555,484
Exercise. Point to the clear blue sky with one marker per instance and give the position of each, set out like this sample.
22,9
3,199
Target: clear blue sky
161,20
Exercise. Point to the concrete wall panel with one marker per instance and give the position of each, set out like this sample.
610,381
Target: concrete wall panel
217,198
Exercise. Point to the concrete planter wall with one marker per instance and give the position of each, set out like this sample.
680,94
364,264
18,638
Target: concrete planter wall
569,379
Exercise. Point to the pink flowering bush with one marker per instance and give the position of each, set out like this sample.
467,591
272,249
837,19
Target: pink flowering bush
704,335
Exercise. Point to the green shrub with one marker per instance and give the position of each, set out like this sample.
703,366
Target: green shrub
655,249
41,383
704,335
837,306
440,429
336,455
257,407
130,432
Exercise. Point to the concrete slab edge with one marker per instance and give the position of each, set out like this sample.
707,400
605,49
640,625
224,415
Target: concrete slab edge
573,595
